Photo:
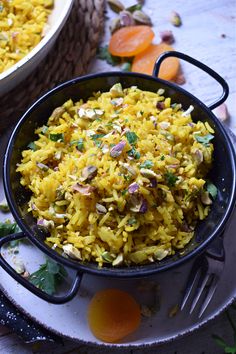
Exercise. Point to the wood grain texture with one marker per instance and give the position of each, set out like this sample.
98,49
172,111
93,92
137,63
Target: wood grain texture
208,33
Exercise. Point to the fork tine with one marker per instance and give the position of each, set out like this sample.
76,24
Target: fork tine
201,285
194,274
209,295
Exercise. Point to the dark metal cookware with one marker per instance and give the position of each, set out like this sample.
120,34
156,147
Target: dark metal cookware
222,174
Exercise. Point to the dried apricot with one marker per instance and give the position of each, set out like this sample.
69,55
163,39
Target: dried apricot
113,314
131,40
144,62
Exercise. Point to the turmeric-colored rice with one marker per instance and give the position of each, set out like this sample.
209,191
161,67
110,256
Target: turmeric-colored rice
121,178
22,25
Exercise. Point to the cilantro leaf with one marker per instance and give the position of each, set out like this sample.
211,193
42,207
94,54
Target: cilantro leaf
205,140
131,137
32,146
79,144
134,153
212,190
126,67
132,221
48,276
170,179
97,136
57,137
147,164
7,228
103,54
44,129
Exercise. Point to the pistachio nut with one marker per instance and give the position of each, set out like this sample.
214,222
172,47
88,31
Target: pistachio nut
115,24
126,19
175,19
115,5
205,198
88,173
119,260
142,18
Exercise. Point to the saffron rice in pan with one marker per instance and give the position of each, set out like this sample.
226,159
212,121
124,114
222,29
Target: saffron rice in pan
120,178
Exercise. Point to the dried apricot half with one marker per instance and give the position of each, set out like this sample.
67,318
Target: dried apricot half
144,62
113,314
131,40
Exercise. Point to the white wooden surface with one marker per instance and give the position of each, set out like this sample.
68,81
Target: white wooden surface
208,33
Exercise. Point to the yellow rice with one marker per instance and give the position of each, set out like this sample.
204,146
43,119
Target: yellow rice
22,25
120,178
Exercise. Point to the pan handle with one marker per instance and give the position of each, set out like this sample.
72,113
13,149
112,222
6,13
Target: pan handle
198,64
36,291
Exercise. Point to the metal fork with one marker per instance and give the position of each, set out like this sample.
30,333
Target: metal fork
204,276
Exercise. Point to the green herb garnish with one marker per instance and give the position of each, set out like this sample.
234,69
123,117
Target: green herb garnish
44,129
8,227
48,277
162,158
212,190
134,153
97,136
104,54
79,144
132,221
127,177
32,146
126,67
205,140
131,137
57,137
134,8
170,179
147,164
220,341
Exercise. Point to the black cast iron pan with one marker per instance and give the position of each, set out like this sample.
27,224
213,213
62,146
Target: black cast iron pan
222,174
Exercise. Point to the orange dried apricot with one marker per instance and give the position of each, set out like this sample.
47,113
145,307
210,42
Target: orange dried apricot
131,40
113,314
144,62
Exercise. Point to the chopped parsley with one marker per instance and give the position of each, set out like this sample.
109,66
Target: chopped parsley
32,146
205,140
44,129
7,228
134,153
48,276
104,54
126,67
127,177
211,189
132,221
170,179
162,158
79,144
96,137
57,137
147,164
131,137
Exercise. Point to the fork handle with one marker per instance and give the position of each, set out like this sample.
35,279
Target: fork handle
216,249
